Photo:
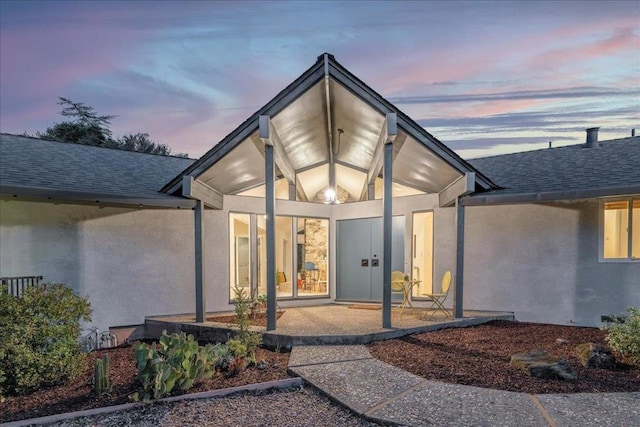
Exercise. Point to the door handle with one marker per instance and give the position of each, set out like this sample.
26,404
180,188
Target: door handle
375,262
364,263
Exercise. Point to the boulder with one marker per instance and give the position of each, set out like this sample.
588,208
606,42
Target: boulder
541,364
595,356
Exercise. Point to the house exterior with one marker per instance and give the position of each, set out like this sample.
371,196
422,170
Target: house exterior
316,199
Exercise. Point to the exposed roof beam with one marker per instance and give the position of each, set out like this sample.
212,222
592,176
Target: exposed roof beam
388,134
198,190
269,135
328,111
302,195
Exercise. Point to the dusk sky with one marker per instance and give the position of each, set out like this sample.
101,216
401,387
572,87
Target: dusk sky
483,77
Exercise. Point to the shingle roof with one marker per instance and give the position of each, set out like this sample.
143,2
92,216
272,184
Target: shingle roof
73,168
615,164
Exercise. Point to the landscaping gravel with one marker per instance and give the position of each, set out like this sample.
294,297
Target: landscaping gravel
304,407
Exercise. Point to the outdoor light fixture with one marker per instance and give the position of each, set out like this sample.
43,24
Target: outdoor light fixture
330,195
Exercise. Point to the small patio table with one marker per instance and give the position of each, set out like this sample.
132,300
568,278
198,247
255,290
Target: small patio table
406,286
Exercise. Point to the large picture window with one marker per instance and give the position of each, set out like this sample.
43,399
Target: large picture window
621,229
301,249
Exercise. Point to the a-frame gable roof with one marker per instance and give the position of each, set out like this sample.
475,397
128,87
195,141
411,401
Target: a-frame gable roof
308,119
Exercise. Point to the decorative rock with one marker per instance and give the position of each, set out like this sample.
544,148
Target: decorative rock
561,341
541,364
595,356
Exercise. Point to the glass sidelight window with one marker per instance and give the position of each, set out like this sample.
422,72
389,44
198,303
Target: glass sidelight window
301,249
239,251
284,256
422,253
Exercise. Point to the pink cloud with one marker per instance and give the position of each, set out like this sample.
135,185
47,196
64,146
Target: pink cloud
624,40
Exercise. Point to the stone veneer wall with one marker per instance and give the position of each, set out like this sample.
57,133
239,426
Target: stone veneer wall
316,244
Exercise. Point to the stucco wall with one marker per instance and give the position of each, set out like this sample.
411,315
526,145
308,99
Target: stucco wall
541,262
130,263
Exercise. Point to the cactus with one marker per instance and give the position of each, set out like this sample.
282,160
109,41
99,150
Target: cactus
177,362
101,381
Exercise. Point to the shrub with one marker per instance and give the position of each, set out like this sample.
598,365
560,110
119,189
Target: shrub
39,335
623,334
177,361
250,340
223,357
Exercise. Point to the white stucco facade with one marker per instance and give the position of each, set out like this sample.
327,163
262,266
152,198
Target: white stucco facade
542,262
129,263
538,261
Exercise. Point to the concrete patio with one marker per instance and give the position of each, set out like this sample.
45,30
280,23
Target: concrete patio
332,324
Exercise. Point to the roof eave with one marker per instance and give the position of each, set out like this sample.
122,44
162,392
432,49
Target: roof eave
66,196
549,196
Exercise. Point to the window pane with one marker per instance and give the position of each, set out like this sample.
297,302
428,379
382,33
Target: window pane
239,253
313,238
262,255
284,256
422,253
616,222
635,241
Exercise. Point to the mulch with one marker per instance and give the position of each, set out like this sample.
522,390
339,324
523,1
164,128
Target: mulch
78,394
477,356
480,355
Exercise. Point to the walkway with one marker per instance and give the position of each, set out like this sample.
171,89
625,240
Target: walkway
384,393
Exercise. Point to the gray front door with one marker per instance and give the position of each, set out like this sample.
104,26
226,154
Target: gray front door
360,257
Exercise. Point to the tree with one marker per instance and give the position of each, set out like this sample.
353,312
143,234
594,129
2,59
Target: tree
88,128
140,142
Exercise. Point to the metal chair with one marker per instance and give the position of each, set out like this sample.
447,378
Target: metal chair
437,300
310,276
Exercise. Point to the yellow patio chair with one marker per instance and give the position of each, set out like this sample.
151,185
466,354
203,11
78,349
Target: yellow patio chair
437,300
397,287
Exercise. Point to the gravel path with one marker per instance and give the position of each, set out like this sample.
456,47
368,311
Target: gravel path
303,407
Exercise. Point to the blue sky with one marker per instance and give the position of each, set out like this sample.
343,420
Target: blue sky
483,77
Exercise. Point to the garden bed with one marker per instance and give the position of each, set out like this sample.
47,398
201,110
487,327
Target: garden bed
480,355
78,394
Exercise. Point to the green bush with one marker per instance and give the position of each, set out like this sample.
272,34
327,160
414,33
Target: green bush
176,362
39,335
623,334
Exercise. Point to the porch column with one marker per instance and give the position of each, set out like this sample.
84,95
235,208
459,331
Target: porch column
270,201
198,218
458,286
387,234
